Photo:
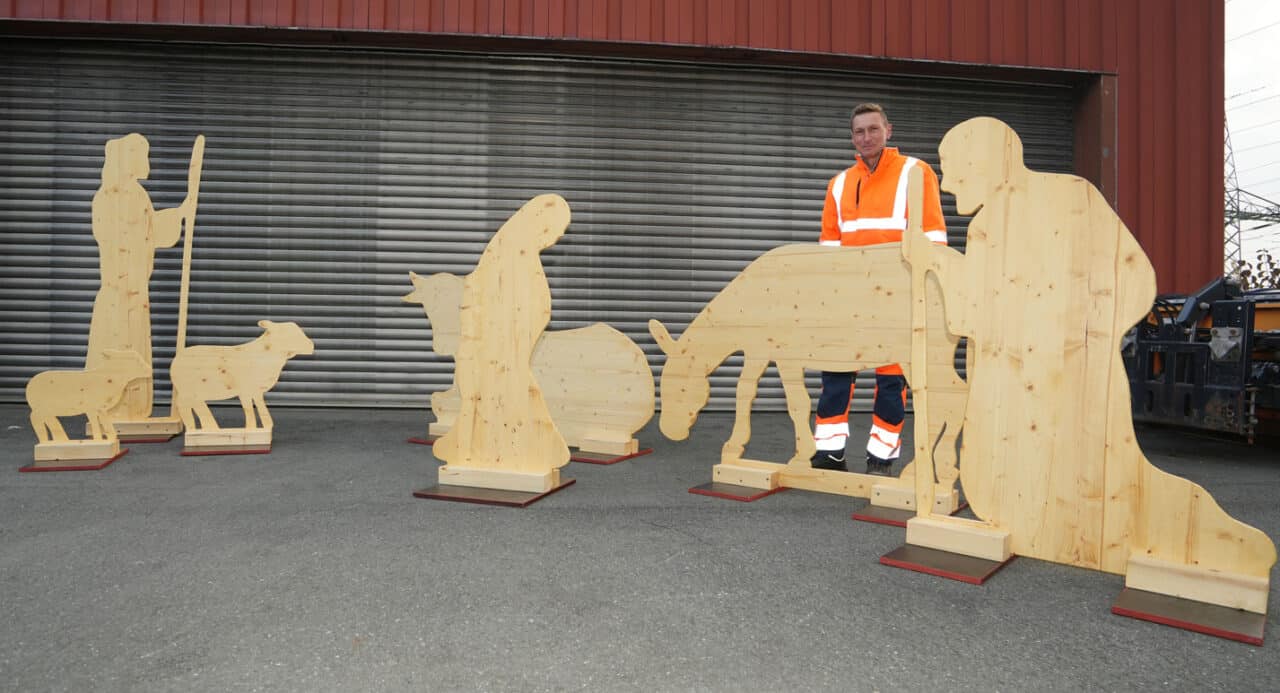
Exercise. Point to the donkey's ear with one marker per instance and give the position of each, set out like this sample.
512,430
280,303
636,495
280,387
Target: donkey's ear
662,337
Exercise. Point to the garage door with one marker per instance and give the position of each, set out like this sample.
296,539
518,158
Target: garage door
330,174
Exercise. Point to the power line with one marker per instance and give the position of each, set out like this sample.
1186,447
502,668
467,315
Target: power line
1254,31
1246,93
1251,103
1255,168
1259,146
1259,125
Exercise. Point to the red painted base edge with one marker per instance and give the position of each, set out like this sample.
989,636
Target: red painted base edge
206,453
91,467
944,564
154,439
875,519
422,441
712,490
484,496
608,460
1187,625
928,570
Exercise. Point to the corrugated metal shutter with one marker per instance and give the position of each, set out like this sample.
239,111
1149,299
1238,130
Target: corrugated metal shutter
329,174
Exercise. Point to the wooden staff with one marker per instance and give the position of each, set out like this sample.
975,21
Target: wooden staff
188,232
920,346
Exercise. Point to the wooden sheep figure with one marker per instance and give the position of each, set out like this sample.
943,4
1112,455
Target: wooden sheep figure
569,365
201,374
92,392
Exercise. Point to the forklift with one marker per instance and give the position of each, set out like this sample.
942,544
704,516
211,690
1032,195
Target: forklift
1209,361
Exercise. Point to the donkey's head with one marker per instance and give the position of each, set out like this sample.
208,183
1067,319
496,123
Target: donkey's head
684,390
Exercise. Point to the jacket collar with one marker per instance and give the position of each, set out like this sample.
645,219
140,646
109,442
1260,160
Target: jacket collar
886,157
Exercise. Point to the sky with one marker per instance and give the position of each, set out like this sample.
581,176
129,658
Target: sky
1253,108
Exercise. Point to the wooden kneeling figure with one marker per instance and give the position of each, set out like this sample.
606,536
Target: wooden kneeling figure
505,438
1050,282
201,374
92,392
596,381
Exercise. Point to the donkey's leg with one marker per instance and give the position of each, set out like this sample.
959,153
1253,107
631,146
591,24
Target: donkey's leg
798,406
250,420
260,401
748,382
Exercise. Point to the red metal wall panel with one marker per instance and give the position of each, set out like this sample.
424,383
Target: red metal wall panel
1164,56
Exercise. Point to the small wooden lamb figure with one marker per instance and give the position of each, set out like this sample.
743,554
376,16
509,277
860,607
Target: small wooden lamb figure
201,374
92,392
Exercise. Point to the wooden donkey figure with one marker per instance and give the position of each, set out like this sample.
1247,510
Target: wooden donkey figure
807,306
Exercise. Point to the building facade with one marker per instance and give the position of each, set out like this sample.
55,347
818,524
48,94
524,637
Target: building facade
352,141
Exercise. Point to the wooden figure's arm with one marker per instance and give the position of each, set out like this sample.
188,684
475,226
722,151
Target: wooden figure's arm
168,223
950,268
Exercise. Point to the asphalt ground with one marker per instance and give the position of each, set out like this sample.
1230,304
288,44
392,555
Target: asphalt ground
314,569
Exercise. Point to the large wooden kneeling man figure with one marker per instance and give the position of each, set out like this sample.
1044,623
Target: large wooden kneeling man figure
1049,284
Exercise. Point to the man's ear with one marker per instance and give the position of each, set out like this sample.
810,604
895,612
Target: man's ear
888,131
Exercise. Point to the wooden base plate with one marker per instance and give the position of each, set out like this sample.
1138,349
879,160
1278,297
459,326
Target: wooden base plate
201,450
161,429
579,456
487,496
746,494
73,465
148,438
953,566
896,517
1210,619
604,457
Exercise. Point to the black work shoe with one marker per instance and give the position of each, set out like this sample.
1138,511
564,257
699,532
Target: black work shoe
879,467
827,460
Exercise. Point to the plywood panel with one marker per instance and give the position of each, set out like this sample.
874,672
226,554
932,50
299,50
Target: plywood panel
805,306
504,424
1050,282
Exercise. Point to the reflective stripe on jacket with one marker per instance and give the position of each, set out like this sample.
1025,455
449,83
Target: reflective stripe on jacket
864,207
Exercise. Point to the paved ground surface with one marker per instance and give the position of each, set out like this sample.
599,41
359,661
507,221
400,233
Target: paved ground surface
313,568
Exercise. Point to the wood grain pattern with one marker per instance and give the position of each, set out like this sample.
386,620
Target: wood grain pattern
1050,282
129,230
807,306
504,423
596,381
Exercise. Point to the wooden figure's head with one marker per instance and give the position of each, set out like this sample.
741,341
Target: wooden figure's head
126,159
287,337
684,388
978,157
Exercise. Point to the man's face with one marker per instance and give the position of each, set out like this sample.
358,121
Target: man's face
870,133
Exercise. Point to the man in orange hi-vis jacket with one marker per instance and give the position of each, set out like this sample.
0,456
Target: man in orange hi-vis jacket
867,204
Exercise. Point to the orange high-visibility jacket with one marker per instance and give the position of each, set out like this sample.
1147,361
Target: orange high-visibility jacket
864,207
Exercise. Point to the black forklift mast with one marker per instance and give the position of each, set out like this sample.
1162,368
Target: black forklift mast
1199,304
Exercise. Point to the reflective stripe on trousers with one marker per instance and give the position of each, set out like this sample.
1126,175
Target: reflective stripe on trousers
888,412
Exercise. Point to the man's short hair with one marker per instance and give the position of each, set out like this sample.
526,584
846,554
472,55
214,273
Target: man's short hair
868,108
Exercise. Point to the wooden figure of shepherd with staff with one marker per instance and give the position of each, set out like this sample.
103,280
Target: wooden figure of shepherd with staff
128,230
